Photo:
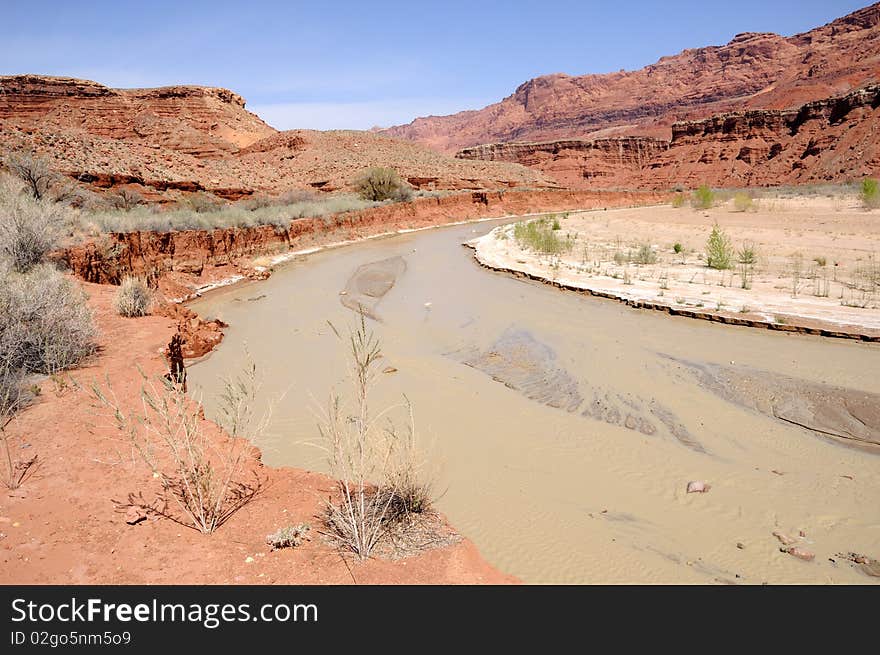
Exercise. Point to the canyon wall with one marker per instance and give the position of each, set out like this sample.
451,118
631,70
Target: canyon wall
755,70
831,140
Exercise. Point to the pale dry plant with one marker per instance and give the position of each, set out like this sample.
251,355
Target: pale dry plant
200,472
13,398
376,466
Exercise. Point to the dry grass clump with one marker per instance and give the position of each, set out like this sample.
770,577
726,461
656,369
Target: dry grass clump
249,213
382,488
133,297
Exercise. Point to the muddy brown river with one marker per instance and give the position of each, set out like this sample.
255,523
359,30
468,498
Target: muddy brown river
564,429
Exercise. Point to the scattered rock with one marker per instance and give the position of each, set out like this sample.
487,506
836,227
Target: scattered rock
740,545
389,369
784,538
698,486
135,515
248,560
801,553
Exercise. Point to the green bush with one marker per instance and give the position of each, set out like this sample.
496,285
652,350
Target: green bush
678,200
742,202
539,235
870,193
703,198
719,252
379,184
677,248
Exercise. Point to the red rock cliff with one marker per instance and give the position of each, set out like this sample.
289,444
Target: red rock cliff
753,70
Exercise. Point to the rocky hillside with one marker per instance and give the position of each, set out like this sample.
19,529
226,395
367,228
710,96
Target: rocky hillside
830,140
175,140
753,71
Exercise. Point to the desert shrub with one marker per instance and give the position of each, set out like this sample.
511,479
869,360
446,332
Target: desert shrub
742,202
133,297
870,193
34,172
379,480
678,200
645,254
126,199
204,475
203,203
14,467
719,251
539,235
556,225
45,323
378,184
747,257
677,248
703,198
29,229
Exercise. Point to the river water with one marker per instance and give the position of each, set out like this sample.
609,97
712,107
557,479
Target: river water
563,429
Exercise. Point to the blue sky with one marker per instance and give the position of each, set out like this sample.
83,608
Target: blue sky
358,64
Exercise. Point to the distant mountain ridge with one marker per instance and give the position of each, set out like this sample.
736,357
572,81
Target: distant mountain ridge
755,70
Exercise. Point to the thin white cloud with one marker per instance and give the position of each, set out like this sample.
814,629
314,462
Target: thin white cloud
359,115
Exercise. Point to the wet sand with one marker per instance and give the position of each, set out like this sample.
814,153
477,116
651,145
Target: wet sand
566,428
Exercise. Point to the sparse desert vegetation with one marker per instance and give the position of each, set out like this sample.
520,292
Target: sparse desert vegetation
813,255
541,236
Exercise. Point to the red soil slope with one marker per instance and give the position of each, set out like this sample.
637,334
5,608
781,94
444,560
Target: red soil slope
754,70
187,138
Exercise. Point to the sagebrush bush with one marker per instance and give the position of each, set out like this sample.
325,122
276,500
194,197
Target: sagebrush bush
646,254
678,200
29,229
870,193
133,297
45,324
378,184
